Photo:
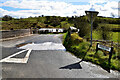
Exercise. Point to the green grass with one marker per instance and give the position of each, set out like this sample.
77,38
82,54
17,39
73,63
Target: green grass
96,35
64,36
114,37
110,25
65,24
81,50
2,21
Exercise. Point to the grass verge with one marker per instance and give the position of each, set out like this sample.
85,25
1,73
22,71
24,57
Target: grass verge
80,48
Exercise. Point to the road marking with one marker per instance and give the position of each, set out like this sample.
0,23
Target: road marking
14,60
27,56
12,55
17,60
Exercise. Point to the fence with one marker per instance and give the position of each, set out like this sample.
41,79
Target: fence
15,33
108,42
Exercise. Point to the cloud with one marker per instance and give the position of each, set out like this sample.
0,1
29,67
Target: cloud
92,2
45,8
107,9
58,8
3,12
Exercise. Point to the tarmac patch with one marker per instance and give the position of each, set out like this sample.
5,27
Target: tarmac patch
44,46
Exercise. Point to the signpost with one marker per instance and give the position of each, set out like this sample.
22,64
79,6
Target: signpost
91,14
105,48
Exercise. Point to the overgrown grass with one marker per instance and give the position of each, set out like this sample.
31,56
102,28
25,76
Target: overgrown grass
82,50
114,37
96,35
65,24
110,25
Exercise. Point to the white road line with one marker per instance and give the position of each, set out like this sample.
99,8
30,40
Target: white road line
17,60
12,55
14,60
27,56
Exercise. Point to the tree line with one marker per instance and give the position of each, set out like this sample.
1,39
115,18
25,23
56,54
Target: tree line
80,22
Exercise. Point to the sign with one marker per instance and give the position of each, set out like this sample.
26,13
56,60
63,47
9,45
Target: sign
104,47
110,49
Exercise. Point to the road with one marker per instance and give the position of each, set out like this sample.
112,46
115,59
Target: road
45,57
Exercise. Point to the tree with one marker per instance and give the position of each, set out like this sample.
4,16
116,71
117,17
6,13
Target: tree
55,22
82,24
106,33
95,25
47,26
42,15
84,28
7,18
63,19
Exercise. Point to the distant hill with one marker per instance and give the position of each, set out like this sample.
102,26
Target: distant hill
51,21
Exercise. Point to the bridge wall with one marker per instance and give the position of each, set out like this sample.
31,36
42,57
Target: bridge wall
15,33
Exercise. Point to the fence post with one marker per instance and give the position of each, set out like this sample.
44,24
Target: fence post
69,32
110,56
96,48
111,43
31,31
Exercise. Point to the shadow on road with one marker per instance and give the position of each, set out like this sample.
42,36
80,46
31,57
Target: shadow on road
104,67
75,65
72,66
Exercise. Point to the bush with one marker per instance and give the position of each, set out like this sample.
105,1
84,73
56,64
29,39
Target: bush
75,44
76,39
95,25
106,33
84,28
7,18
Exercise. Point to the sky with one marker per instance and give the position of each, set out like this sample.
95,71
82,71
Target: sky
63,8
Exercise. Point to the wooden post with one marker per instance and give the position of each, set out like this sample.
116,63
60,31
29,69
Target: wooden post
31,31
111,43
110,56
102,47
69,32
96,48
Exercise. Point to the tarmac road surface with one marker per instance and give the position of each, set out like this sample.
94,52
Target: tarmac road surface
44,56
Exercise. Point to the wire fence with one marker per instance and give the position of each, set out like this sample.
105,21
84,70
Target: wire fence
108,42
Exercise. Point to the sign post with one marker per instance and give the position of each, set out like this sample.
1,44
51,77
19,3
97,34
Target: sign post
105,48
91,14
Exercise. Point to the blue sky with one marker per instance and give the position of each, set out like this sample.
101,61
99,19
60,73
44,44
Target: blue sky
12,8
27,8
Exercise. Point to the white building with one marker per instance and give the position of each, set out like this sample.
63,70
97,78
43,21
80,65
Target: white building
54,30
73,29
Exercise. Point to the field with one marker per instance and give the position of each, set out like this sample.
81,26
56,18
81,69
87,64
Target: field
114,37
